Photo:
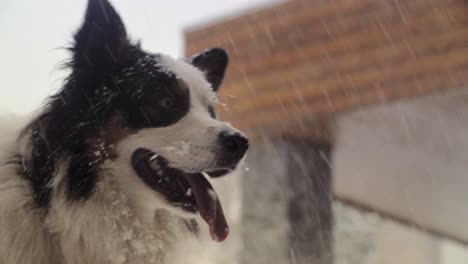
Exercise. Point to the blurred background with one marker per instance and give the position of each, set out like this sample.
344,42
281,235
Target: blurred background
357,110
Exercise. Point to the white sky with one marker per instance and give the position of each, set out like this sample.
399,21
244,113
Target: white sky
32,31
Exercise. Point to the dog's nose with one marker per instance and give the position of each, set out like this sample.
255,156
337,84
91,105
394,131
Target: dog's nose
235,143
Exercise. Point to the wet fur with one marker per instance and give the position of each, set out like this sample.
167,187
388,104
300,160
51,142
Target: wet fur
67,191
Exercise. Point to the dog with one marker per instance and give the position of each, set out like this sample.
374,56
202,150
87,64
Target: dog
115,167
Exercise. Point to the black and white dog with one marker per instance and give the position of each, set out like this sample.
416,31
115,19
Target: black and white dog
114,168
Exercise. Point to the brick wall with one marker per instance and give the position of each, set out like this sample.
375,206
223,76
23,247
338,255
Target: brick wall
295,64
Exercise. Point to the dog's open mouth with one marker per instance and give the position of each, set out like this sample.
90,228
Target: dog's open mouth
190,191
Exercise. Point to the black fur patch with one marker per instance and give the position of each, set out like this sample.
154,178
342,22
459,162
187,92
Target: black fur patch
213,63
111,79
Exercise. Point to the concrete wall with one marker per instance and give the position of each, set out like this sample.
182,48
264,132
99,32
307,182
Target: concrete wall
409,160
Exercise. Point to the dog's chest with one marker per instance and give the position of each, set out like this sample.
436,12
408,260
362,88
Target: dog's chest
105,230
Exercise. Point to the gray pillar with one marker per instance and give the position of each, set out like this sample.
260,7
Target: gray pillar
310,199
286,203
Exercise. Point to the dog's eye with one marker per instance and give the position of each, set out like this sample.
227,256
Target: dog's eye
167,102
212,112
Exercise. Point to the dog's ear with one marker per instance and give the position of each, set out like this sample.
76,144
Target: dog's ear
101,38
212,63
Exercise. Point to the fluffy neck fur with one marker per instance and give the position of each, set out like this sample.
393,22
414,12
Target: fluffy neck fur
105,229
102,229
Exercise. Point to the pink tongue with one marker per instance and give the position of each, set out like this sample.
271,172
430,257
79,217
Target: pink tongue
209,206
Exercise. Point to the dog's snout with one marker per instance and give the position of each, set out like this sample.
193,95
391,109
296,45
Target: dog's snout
235,143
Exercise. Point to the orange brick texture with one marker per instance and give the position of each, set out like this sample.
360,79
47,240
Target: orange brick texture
295,64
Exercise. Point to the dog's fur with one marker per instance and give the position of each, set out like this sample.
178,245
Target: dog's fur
68,191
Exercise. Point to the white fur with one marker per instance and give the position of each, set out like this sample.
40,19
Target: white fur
123,221
104,229
190,144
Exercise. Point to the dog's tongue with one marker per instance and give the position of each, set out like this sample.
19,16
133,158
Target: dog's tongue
209,206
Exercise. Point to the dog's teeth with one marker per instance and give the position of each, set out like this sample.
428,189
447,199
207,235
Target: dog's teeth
189,192
155,156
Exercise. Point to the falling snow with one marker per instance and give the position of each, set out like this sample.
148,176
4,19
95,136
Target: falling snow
377,74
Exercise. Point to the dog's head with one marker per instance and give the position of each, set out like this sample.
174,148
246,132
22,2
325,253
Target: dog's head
148,118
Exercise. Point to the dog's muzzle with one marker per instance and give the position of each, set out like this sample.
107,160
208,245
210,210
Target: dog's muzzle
234,146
